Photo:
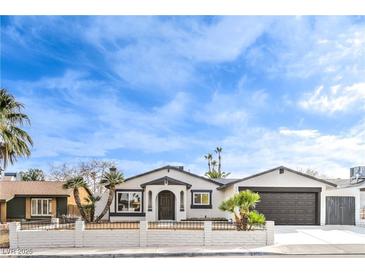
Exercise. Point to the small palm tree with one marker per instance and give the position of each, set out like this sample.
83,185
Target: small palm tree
14,141
110,180
90,206
241,205
76,183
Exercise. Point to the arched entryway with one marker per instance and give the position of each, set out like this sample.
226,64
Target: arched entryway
166,205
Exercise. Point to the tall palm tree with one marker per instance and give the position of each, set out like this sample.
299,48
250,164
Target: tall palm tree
76,183
218,150
14,141
209,158
110,179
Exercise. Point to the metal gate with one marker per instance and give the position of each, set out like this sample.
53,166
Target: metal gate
340,210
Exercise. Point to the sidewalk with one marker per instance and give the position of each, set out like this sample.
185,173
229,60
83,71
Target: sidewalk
283,250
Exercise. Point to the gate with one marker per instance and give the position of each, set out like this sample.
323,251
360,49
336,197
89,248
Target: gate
340,210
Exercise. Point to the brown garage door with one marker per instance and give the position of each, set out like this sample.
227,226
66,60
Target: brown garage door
289,208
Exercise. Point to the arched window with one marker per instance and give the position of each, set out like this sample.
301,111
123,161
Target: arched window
182,201
150,200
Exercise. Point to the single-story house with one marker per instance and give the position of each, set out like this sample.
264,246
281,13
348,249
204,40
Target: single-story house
36,200
288,197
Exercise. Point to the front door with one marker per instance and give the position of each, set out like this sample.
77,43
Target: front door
166,205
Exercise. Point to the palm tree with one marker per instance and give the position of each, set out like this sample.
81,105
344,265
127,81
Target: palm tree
14,141
241,205
90,206
218,150
209,157
110,179
76,183
214,164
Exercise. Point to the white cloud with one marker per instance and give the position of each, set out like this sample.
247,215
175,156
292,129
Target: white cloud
303,133
223,109
335,99
169,55
64,115
256,149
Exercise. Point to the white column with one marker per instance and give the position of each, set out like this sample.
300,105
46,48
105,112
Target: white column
143,227
56,222
79,233
14,228
270,232
207,233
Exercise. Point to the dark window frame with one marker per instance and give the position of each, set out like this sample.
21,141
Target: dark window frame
182,201
209,191
119,213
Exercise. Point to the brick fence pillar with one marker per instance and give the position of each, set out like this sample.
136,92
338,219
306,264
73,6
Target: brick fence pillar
79,233
143,228
207,233
14,228
270,232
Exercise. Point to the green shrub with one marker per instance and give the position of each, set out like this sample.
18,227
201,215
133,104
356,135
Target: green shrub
255,219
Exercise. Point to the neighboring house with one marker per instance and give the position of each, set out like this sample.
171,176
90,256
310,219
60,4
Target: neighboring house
35,200
288,197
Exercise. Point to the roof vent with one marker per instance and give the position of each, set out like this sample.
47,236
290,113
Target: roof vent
181,167
357,174
281,170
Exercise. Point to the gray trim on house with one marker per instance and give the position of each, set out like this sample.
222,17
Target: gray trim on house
176,169
170,181
278,168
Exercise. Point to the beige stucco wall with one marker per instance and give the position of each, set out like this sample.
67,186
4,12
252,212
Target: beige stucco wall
28,208
2,212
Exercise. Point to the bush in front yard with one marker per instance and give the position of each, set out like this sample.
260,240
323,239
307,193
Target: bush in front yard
241,205
255,219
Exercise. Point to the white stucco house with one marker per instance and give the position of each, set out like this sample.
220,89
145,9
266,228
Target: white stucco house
288,197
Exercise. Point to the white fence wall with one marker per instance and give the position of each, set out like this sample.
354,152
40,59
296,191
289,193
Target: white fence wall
175,238
111,238
138,237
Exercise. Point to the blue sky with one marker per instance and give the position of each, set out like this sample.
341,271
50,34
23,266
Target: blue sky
150,91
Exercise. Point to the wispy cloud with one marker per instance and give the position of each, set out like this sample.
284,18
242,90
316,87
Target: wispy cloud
148,91
335,99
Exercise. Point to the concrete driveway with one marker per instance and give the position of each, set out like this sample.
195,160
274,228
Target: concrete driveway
293,235
318,240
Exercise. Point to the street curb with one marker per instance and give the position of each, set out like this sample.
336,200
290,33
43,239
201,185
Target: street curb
182,254
145,255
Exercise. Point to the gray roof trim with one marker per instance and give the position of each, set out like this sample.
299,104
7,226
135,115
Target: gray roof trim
176,169
161,181
276,168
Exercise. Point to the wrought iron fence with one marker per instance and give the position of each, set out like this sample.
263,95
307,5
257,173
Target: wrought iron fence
112,225
47,224
233,226
185,225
